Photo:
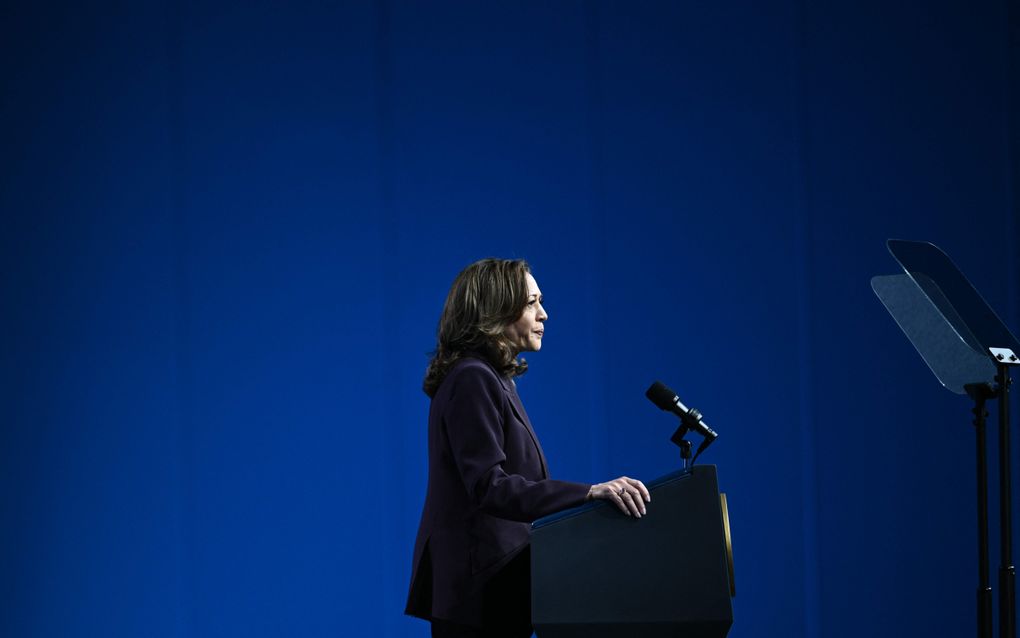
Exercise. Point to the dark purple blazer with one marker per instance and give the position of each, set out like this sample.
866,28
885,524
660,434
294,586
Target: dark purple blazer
487,482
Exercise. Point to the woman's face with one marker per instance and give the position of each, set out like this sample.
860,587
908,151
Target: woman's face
525,334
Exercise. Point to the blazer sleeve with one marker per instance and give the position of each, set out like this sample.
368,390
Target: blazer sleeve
474,427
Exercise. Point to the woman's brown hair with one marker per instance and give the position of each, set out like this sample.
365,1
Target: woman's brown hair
484,299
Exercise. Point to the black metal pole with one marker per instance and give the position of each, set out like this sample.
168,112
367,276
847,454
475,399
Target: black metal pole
685,455
984,591
1007,572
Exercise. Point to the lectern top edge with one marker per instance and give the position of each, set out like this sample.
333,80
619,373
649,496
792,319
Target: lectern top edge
577,511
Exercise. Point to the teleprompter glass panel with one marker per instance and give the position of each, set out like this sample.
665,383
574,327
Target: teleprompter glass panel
955,297
955,359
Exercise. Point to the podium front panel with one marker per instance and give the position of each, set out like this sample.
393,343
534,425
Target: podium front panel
597,572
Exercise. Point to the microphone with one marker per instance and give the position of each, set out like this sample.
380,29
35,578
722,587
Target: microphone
667,400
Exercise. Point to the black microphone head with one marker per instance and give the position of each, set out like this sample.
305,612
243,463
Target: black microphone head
661,396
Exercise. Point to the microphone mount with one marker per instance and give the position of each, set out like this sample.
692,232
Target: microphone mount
690,419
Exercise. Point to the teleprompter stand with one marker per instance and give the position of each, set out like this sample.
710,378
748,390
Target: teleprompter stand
970,350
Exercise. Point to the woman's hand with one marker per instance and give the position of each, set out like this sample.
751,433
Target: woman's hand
630,495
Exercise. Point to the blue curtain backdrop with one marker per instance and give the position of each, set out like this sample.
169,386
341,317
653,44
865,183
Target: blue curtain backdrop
228,230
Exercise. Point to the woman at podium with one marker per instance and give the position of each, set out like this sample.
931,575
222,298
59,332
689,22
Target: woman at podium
488,478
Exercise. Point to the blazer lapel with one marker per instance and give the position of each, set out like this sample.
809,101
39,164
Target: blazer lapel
518,407
515,402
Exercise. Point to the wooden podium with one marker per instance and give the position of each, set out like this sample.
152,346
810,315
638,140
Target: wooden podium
599,574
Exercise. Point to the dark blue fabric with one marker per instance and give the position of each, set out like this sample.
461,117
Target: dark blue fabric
229,228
